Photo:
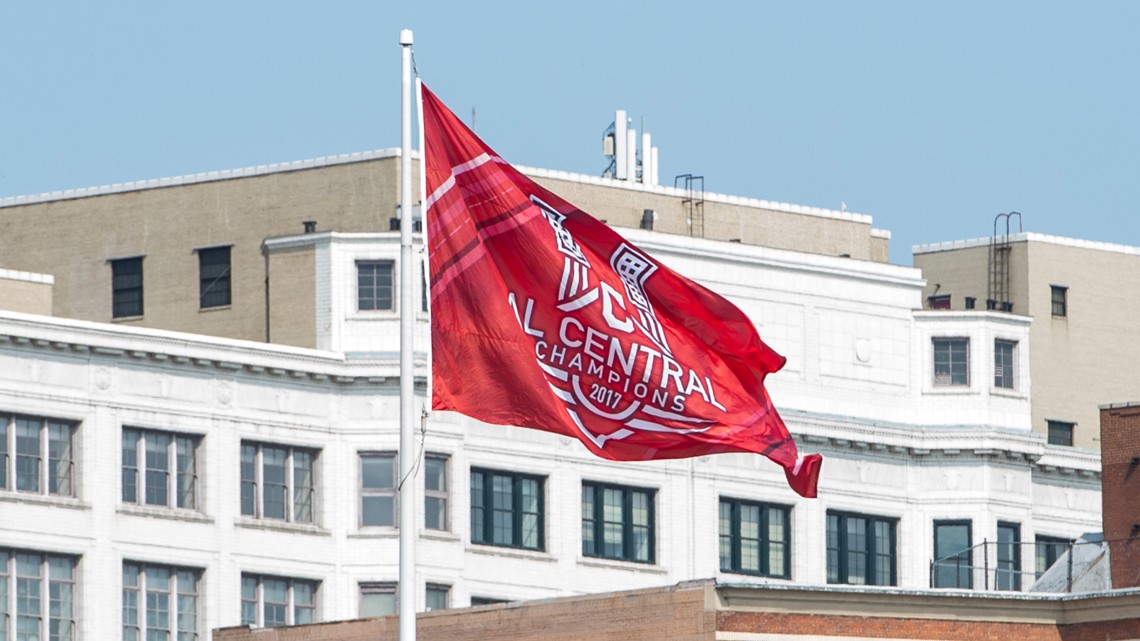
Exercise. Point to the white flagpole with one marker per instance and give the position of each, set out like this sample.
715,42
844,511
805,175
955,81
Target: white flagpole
406,589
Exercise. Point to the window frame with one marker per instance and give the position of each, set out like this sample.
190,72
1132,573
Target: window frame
440,496
376,287
486,505
175,594
1008,370
292,608
1059,300
939,560
173,487
628,541
292,498
45,460
1060,433
1053,547
842,572
48,582
735,538
378,587
219,285
379,492
950,362
437,589
1007,575
123,288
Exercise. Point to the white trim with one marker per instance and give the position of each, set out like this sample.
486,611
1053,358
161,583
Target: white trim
1027,237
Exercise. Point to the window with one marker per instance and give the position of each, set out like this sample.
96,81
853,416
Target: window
1047,549
860,549
377,599
437,596
953,556
435,492
1060,433
268,601
126,287
1004,352
160,468
37,455
486,600
277,482
507,509
951,361
941,301
160,603
214,277
617,522
378,490
1059,295
40,590
754,538
425,287
374,285
1008,556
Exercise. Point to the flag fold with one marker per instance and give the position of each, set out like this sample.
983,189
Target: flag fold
544,317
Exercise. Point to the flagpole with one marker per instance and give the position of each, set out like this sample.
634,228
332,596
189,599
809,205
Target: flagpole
406,589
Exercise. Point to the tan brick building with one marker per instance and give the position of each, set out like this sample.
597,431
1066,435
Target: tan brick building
176,242
705,611
1084,318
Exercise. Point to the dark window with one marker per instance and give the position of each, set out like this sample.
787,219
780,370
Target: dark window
378,489
971,302
277,482
425,287
1047,550
214,277
951,362
36,455
755,538
952,555
939,302
1060,433
617,522
1008,556
159,468
159,602
435,492
378,599
1060,300
485,600
374,285
1004,352
860,549
507,509
437,596
126,287
269,601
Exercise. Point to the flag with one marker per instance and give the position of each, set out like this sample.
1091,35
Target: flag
544,317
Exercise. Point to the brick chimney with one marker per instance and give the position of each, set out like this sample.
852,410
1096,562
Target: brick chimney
1120,490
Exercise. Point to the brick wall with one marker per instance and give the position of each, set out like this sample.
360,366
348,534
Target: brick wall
1120,490
676,613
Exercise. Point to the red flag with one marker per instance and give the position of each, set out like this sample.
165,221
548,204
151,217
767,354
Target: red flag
544,317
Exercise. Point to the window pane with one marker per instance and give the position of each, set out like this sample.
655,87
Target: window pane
275,595
502,496
531,518
1003,364
130,466
126,287
478,519
28,455
588,523
59,459
378,472
249,480
248,600
952,567
378,603
726,535
273,480
378,510
187,474
302,486
157,468
374,286
214,276
437,597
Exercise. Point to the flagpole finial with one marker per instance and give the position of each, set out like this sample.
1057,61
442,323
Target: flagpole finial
405,37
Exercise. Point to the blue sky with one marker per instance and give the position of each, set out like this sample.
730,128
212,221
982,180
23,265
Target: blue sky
930,116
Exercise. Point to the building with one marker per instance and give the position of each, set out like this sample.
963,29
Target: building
1071,288
162,480
708,611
